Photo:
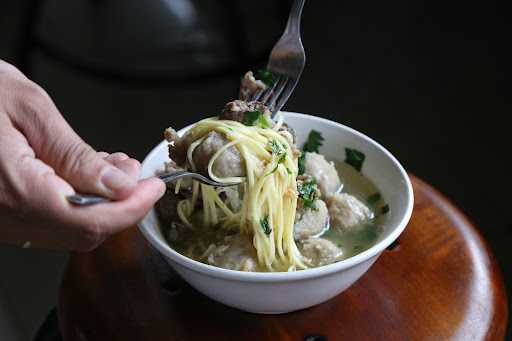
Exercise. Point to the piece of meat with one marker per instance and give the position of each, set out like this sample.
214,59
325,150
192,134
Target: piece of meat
310,222
234,253
178,146
166,208
249,86
346,212
235,110
228,164
324,172
319,251
170,134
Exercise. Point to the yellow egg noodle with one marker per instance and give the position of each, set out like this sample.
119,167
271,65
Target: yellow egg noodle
269,191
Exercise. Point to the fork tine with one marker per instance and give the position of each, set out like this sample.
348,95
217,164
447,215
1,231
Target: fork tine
257,95
268,92
211,182
285,95
283,81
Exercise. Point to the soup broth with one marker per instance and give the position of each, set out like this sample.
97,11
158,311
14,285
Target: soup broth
197,242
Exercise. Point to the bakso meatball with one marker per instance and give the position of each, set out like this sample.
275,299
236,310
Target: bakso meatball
235,253
319,251
249,86
346,212
228,164
324,172
310,222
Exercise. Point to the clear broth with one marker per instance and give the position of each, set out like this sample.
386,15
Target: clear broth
194,243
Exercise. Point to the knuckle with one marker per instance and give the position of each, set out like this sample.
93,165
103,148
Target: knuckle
76,156
33,100
8,68
9,74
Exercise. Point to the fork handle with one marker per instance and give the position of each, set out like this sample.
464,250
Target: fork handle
87,200
293,24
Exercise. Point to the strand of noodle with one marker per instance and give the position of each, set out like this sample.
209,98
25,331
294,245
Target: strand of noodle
178,185
273,195
279,222
211,201
195,194
190,152
214,158
206,208
181,214
279,123
271,238
223,207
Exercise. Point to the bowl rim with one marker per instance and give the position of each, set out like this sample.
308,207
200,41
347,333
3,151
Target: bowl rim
324,270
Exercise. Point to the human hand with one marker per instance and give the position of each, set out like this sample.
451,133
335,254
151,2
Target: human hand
42,160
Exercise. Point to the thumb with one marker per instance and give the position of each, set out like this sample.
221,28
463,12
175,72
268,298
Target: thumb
56,144
80,165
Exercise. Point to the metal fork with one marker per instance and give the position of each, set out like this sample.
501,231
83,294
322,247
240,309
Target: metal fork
86,200
286,62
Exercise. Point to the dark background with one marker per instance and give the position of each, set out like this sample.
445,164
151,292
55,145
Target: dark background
420,77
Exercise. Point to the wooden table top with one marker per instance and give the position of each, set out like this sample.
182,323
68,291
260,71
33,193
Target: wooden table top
439,282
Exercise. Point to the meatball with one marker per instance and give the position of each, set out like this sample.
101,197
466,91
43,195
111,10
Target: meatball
324,172
249,86
319,251
235,110
228,164
310,222
346,212
235,253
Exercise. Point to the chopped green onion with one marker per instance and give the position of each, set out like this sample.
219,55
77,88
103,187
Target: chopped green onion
250,117
355,158
384,209
263,122
314,142
282,158
275,147
279,152
265,225
302,163
308,193
374,198
266,77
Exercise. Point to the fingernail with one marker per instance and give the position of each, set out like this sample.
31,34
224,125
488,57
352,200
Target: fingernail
116,180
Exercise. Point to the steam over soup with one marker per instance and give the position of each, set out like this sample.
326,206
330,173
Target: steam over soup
291,209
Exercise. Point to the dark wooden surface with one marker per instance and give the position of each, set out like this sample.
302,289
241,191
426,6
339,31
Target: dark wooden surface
440,282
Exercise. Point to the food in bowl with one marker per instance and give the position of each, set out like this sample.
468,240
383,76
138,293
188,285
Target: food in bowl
291,209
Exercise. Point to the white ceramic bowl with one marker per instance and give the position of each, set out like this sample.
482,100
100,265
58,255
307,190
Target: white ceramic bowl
273,293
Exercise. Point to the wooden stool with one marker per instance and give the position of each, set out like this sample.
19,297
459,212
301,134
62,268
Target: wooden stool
439,282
